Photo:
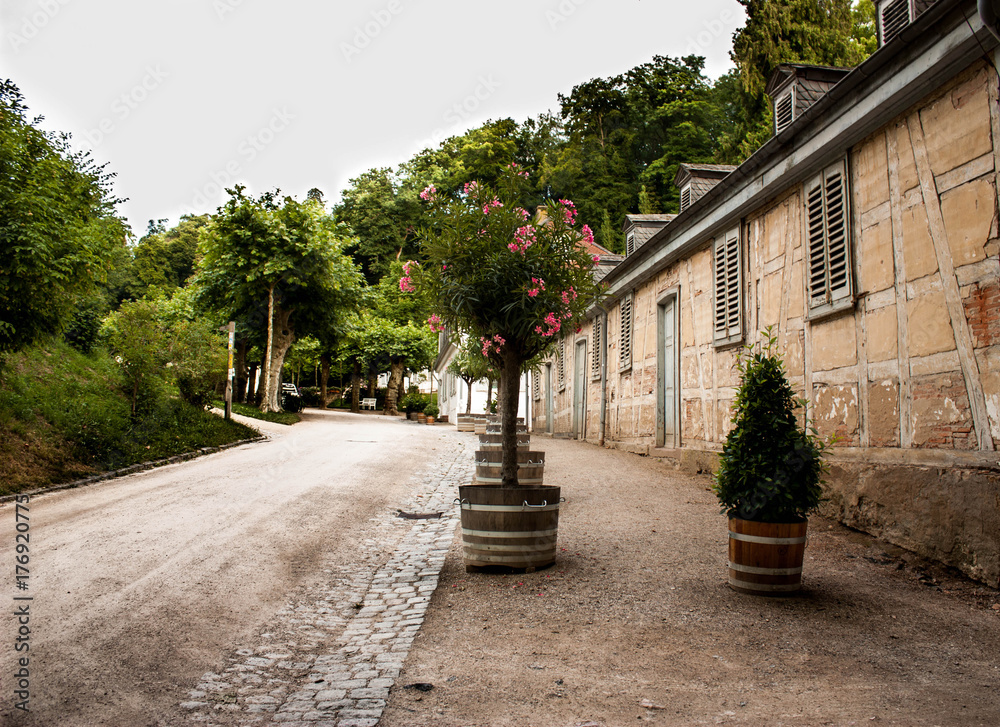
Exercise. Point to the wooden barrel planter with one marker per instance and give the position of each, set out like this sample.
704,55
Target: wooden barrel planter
510,527
495,429
495,442
466,423
766,558
530,467
480,426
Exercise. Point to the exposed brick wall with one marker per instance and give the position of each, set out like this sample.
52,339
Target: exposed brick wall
982,308
942,419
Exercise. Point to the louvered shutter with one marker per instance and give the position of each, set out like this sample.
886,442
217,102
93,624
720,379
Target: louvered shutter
629,244
728,284
596,350
625,342
783,111
536,385
829,253
685,197
560,365
893,15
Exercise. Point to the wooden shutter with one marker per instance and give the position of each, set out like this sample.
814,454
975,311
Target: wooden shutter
685,197
560,365
728,285
536,385
893,16
783,107
625,342
827,217
596,349
629,243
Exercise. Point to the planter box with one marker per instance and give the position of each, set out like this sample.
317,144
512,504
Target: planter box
509,527
766,558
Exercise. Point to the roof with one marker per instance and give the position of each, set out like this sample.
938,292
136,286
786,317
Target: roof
712,171
638,220
787,71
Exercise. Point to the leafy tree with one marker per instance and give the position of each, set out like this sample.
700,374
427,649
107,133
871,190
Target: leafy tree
138,339
820,32
57,225
304,353
165,259
285,262
508,282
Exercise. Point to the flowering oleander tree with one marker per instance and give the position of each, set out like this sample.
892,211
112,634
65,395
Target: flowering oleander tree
510,280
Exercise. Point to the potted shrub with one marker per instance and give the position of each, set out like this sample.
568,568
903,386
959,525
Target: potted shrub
431,412
769,476
511,281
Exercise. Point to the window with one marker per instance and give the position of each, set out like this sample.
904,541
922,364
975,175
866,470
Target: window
536,385
596,348
629,243
893,16
728,285
625,341
560,365
829,267
685,197
454,383
783,107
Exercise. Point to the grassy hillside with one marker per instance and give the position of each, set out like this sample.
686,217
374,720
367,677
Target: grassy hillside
63,417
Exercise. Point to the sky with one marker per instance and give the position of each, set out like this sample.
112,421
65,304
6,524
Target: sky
183,98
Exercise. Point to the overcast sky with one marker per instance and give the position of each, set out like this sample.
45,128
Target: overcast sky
183,97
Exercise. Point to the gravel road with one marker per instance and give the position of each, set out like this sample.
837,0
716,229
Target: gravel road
141,584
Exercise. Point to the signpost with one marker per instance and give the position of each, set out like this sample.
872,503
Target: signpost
231,371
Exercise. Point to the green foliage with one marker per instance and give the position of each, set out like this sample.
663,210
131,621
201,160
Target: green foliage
57,226
818,32
165,259
63,416
431,410
276,417
139,342
771,468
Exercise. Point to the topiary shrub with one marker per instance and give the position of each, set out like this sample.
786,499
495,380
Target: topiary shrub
771,466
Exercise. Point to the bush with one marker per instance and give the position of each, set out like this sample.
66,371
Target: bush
310,395
770,469
431,409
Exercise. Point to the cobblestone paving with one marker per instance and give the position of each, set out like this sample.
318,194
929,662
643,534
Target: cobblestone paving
331,656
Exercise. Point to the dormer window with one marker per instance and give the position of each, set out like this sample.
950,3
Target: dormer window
685,197
784,105
893,16
629,243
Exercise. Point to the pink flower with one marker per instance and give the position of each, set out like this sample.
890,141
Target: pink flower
435,323
408,267
523,212
596,259
472,188
491,205
428,194
406,285
569,211
588,235
524,238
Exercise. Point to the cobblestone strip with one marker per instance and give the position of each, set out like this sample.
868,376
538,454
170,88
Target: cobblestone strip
334,654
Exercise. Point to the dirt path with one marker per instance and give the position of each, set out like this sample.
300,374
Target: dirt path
635,623
139,584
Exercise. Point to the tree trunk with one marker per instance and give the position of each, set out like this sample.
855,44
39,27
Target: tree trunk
283,336
324,363
468,403
510,390
240,364
395,380
251,394
372,385
489,394
400,389
265,402
356,387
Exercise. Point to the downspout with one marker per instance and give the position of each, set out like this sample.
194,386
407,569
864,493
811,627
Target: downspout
604,374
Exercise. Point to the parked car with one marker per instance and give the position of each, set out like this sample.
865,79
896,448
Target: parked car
291,399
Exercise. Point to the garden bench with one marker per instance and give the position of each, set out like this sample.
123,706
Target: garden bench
368,404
